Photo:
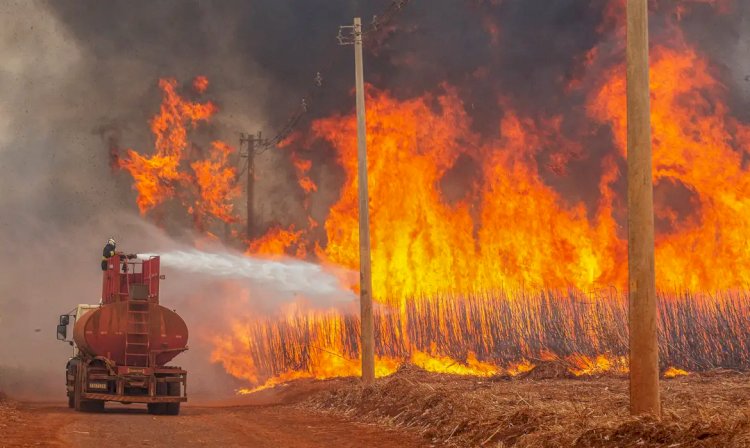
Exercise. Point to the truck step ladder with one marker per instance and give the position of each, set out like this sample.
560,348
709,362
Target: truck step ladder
137,344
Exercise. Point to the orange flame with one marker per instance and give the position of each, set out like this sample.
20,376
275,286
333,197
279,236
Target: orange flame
511,231
302,167
699,147
157,177
423,245
216,183
200,84
278,241
508,229
583,365
522,234
674,372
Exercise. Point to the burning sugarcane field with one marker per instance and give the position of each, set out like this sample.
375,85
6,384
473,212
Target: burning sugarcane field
459,223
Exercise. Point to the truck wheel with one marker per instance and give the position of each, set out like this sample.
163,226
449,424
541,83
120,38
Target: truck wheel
80,404
92,406
173,409
157,408
173,390
77,390
70,381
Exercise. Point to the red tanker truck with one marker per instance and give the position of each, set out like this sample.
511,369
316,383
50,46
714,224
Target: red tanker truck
121,346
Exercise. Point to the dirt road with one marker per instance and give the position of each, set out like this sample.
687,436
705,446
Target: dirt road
33,425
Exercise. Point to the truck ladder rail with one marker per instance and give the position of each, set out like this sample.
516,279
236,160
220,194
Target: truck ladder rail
137,340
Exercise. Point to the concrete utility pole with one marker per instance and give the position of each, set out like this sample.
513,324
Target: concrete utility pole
644,348
251,141
365,274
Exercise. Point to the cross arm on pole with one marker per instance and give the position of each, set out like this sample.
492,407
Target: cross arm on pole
349,37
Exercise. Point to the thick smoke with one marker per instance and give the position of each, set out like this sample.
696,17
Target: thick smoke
52,188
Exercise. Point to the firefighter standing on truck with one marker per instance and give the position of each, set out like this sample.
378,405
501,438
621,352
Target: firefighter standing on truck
108,252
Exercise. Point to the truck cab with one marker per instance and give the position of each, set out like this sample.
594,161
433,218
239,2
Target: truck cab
70,319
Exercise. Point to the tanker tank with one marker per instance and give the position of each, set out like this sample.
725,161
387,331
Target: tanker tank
104,332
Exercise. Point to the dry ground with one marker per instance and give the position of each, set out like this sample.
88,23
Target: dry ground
410,409
543,410
236,424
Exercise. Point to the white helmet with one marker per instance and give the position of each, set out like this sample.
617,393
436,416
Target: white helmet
111,241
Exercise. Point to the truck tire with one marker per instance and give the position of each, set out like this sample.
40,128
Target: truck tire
172,409
77,389
173,390
92,406
157,408
80,404
70,371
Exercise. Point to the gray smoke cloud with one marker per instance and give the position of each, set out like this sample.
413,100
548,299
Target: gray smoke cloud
739,62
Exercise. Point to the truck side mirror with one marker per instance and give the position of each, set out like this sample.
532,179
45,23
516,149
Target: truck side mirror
64,319
62,332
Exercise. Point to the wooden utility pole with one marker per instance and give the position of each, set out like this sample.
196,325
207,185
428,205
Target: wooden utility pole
644,348
250,140
365,274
